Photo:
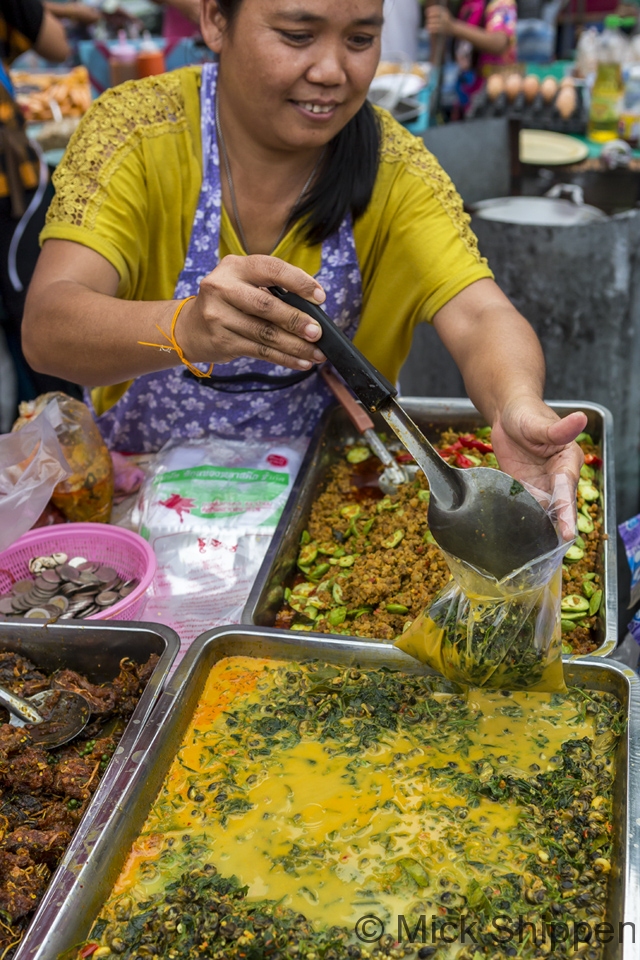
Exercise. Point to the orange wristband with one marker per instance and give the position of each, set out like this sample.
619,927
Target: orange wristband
175,346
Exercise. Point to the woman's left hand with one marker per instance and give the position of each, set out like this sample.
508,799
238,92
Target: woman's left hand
533,444
438,20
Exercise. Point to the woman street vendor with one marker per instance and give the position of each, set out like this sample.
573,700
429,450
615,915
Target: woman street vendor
183,197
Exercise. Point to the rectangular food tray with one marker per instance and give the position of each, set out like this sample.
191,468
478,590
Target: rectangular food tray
94,650
101,855
432,416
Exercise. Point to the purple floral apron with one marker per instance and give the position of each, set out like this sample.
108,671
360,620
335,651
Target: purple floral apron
245,398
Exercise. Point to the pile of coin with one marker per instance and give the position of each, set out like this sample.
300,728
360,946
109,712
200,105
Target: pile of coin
65,589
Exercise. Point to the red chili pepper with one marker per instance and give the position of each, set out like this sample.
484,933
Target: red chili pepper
89,949
463,461
449,451
472,443
403,457
591,460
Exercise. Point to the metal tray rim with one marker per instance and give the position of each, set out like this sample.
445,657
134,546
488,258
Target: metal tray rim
124,750
458,405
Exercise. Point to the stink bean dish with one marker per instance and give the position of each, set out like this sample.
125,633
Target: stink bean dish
368,564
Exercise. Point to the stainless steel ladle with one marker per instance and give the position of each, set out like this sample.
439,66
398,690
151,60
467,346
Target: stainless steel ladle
479,515
67,718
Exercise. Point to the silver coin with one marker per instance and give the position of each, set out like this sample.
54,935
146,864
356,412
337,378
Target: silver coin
77,605
89,566
45,586
67,572
60,602
37,597
53,610
87,591
107,598
19,605
104,574
51,576
67,589
86,577
77,561
128,587
113,584
6,605
37,613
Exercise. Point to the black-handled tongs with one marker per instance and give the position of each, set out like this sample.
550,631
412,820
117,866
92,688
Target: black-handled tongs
479,514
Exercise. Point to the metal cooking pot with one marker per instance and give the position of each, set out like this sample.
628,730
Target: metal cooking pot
548,211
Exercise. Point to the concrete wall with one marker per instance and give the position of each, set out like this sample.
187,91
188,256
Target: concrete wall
580,289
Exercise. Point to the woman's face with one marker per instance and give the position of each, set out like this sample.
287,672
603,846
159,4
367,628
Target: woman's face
295,71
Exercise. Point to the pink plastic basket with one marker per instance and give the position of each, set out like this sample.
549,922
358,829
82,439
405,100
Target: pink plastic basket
126,552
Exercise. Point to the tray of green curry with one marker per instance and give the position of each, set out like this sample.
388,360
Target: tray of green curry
592,586
578,828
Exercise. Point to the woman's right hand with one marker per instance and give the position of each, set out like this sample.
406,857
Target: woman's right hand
234,315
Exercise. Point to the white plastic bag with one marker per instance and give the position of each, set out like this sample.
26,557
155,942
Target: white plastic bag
209,511
31,464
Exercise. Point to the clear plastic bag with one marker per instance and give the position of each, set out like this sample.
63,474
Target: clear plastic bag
503,634
31,464
87,492
209,510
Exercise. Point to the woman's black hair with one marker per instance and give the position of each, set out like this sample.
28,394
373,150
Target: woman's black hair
348,172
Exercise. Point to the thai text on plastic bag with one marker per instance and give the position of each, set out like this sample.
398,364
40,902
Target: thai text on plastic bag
504,634
31,464
209,511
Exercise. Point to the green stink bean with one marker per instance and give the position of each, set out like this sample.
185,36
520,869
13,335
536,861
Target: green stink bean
396,608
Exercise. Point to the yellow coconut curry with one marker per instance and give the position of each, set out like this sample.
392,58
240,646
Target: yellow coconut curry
306,797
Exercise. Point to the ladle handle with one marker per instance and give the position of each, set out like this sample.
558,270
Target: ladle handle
375,392
366,382
18,707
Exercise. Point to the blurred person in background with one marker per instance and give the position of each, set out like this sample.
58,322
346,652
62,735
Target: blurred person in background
24,179
484,35
402,21
83,14
181,19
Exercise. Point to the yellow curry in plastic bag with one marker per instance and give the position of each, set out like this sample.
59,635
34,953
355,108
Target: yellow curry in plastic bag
483,633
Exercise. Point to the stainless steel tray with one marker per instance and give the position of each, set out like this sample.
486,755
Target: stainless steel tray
101,855
96,651
432,416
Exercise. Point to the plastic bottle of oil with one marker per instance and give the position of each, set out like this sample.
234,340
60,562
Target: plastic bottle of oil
604,113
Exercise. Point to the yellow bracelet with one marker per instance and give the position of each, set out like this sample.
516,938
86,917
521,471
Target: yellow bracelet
175,346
